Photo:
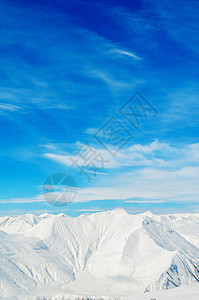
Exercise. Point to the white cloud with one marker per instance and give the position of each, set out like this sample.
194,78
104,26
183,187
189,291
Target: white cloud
95,172
145,201
91,131
139,186
125,53
49,146
89,210
9,107
155,154
136,155
63,159
36,199
154,172
152,187
192,152
109,79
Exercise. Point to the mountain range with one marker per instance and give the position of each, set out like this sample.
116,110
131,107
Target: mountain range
106,255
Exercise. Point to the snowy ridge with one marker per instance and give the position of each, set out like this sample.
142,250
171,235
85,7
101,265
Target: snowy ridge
111,253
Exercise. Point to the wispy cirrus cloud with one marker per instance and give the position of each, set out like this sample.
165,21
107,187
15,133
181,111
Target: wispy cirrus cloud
177,29
112,81
9,107
125,53
37,199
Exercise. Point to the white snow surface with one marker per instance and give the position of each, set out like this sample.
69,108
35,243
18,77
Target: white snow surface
107,255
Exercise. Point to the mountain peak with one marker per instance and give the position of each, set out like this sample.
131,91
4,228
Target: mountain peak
149,214
118,211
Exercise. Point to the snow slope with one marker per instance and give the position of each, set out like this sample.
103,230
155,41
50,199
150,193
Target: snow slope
110,254
185,224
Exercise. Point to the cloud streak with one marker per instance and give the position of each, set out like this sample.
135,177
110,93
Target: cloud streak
9,107
125,53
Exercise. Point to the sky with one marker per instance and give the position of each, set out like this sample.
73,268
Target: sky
105,93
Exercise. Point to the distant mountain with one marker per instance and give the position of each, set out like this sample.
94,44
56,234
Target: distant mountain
108,254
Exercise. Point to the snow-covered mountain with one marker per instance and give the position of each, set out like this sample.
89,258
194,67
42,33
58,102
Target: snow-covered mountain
110,254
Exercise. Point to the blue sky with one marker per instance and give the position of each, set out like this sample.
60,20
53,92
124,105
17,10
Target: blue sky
69,66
